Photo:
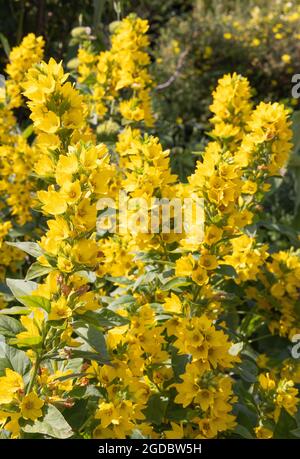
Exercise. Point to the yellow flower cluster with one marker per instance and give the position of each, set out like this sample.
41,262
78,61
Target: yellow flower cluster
16,403
275,395
121,70
21,59
17,156
278,295
56,107
204,385
16,163
250,145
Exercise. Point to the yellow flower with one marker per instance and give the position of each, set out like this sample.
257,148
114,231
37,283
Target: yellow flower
65,168
85,252
60,309
71,192
286,58
47,122
13,425
263,432
53,202
31,406
255,42
85,215
199,275
184,266
173,304
249,187
108,414
212,235
21,58
33,325
64,264
208,261
175,433
266,382
11,383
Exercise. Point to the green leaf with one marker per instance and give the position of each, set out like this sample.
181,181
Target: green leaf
226,270
28,131
176,412
4,289
243,432
37,270
33,301
179,362
105,318
285,425
32,248
245,416
247,370
53,424
5,44
15,310
88,355
21,288
15,359
124,299
144,279
10,327
78,415
175,283
70,376
94,337
31,341
241,388
119,280
287,231
156,409
296,130
296,432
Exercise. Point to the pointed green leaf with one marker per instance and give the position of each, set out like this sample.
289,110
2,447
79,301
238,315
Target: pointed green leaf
32,248
37,270
9,326
34,301
15,310
21,288
15,359
53,424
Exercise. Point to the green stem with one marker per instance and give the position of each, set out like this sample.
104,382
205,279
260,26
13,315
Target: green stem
34,374
260,338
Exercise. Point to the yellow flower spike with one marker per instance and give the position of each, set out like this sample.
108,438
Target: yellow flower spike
21,58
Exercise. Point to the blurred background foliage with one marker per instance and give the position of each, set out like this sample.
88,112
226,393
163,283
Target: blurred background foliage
193,43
